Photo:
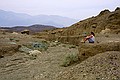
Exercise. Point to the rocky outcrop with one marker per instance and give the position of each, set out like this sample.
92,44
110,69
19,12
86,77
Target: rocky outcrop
89,50
8,49
25,32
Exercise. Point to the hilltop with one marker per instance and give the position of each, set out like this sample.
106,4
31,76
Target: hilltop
33,28
105,19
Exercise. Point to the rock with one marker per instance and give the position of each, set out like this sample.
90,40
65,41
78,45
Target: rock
1,56
25,32
105,31
14,33
24,49
34,52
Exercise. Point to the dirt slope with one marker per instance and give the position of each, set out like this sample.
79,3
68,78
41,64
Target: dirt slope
105,19
104,66
105,22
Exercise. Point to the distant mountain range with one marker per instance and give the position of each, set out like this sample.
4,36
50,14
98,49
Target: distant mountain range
8,18
33,28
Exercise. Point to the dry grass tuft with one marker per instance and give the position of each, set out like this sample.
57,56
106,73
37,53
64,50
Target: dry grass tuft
70,59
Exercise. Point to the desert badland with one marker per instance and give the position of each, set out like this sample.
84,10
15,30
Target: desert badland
58,54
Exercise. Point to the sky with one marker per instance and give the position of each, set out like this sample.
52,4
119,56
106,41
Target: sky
77,9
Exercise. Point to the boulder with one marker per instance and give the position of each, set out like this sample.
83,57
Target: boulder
107,30
25,32
34,52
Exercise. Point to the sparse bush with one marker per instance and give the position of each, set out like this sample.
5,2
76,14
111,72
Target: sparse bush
41,46
73,46
3,33
64,45
70,59
106,35
54,44
32,57
11,39
17,40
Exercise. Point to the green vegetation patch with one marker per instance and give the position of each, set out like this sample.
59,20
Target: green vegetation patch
70,59
41,46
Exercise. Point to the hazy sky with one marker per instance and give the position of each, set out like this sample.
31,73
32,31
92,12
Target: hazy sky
79,9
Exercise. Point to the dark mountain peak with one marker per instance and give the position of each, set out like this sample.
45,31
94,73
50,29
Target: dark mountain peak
106,11
39,25
118,8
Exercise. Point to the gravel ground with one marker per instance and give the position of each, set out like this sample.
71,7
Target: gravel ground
104,66
21,66
47,65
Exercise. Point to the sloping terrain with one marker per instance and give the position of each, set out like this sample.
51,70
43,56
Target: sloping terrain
104,66
47,64
20,65
105,19
105,22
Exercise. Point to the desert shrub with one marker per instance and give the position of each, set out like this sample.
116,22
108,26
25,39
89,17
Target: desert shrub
70,59
25,49
63,45
3,33
41,46
17,40
54,44
32,57
11,39
106,35
72,46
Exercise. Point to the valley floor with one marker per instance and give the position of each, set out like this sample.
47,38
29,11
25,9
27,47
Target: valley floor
47,64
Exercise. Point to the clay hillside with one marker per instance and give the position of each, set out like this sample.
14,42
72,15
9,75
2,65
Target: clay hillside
105,22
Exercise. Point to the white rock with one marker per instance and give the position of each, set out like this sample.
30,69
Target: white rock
14,33
56,41
34,52
105,31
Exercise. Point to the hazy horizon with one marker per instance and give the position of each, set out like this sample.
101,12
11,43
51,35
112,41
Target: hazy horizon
77,9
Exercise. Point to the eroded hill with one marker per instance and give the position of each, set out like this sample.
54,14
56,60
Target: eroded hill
105,19
104,22
21,56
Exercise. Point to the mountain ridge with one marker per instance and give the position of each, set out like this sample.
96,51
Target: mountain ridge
104,20
9,18
32,28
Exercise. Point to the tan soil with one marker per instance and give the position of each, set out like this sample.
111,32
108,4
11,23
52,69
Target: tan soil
47,65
